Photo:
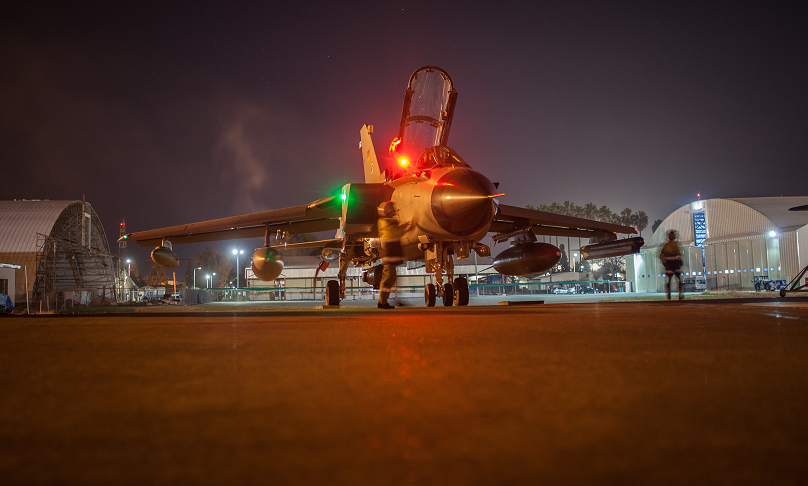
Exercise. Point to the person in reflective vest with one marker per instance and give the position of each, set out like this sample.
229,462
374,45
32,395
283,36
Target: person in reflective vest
390,233
671,258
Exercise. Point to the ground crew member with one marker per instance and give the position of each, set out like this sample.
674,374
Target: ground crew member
390,233
672,261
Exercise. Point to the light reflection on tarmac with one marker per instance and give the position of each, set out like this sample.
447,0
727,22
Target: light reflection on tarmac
603,393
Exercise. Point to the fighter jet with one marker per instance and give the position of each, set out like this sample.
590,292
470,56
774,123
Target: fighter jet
446,206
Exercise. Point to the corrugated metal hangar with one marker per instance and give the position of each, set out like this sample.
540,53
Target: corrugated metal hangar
729,242
62,251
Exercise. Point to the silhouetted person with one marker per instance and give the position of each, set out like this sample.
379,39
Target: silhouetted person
671,258
390,232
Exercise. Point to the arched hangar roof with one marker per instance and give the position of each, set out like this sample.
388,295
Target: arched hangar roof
734,217
20,221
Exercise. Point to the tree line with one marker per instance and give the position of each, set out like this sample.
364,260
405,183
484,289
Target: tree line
626,217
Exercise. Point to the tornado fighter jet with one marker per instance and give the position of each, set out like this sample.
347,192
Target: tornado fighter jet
446,206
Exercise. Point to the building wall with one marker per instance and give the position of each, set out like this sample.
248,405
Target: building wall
8,274
789,256
738,247
802,247
25,226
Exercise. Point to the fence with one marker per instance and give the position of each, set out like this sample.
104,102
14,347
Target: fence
264,294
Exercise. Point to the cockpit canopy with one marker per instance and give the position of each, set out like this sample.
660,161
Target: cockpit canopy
427,113
439,156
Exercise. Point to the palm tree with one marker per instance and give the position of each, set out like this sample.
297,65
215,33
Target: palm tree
605,214
590,211
634,220
568,208
642,221
625,217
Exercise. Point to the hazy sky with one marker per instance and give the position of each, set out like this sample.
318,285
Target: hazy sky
167,114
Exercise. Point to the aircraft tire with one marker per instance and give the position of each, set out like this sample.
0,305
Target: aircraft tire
461,291
429,295
448,295
332,292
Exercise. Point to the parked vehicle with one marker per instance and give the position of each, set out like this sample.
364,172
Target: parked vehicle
694,284
588,290
763,282
560,290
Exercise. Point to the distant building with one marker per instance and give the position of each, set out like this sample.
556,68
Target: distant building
150,292
729,242
61,249
7,279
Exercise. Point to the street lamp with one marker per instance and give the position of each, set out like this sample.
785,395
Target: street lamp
195,269
207,281
237,253
129,271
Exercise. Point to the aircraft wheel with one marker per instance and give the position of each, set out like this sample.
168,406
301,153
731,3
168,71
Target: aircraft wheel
461,291
429,295
448,295
332,292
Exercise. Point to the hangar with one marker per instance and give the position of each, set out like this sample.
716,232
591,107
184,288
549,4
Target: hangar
61,249
729,242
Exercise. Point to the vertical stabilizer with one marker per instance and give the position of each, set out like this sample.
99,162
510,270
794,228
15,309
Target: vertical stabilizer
373,172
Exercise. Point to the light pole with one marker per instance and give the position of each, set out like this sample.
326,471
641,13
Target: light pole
207,281
129,272
195,269
238,274
213,274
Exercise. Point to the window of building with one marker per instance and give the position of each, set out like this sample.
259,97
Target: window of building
4,286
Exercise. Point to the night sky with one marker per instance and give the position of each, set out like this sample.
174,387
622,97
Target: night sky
166,114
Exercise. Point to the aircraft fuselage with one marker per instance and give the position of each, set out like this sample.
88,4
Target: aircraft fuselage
447,204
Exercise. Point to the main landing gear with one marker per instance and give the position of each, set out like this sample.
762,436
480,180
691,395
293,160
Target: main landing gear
439,260
457,293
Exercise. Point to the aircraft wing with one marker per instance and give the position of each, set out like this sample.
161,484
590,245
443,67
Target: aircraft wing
511,218
320,215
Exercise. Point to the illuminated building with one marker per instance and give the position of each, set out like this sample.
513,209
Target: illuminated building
728,242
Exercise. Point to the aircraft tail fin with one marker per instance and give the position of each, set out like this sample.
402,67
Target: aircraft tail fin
373,172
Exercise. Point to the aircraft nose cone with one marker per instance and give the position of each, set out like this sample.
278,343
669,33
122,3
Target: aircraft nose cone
462,203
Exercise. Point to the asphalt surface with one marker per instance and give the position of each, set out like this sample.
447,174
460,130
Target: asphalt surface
603,393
